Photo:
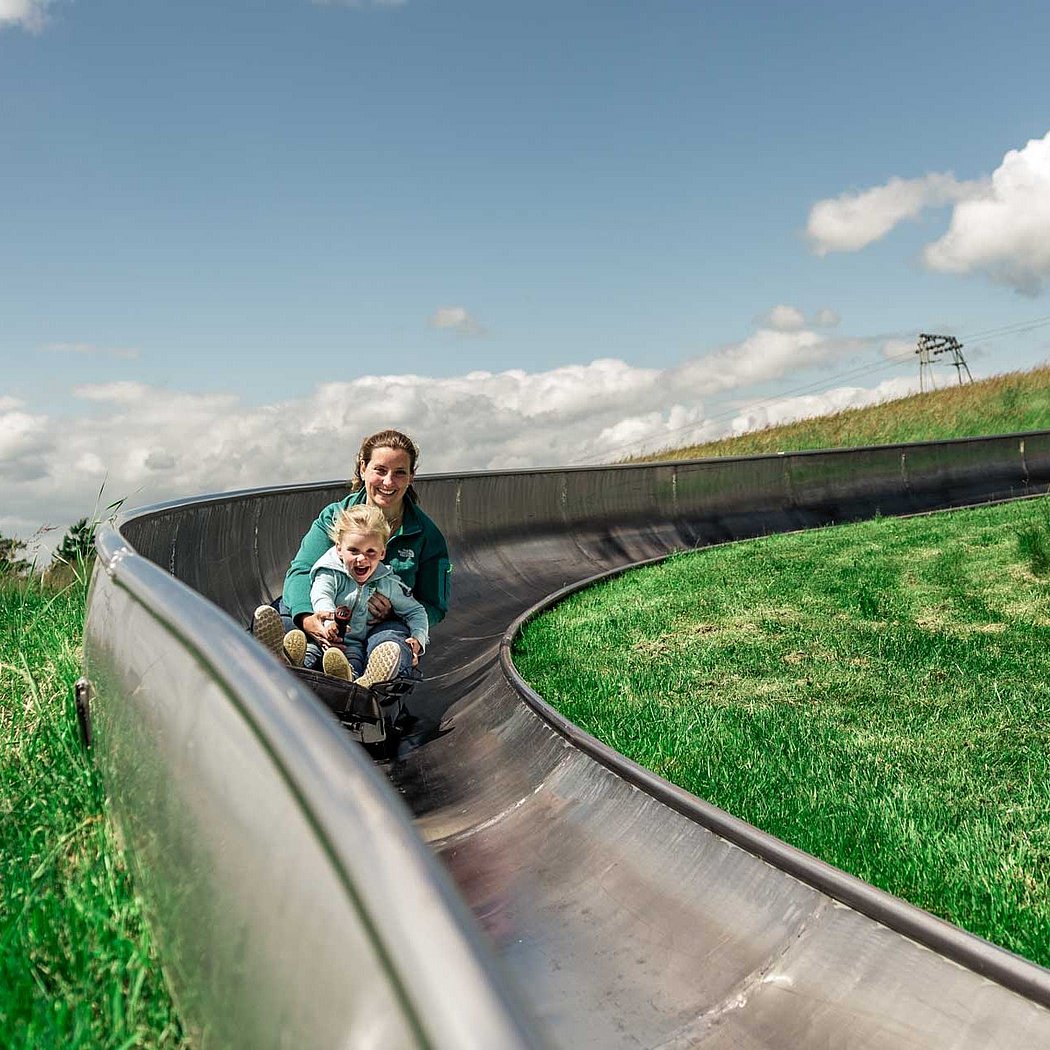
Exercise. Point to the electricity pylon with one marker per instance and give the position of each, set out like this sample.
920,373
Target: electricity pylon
929,346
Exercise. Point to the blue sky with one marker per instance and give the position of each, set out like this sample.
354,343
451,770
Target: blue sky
235,237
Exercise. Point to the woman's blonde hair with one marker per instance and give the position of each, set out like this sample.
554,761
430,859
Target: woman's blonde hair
394,439
363,518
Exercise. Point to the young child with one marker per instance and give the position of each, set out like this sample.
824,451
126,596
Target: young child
348,574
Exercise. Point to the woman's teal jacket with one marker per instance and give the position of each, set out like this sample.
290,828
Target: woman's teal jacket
417,553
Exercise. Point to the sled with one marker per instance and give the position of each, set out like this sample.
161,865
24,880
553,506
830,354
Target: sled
371,715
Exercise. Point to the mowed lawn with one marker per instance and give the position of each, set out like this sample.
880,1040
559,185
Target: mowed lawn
875,694
77,965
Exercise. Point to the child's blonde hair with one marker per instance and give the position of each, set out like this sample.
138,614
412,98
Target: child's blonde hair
363,518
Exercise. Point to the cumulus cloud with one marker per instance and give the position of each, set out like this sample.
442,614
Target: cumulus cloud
25,444
29,14
1000,226
789,409
765,355
123,391
1004,232
456,319
150,444
898,349
852,221
784,318
123,353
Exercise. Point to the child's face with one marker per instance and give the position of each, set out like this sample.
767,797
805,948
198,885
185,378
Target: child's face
360,552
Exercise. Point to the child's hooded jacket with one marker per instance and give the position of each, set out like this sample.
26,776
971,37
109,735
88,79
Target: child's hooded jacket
332,585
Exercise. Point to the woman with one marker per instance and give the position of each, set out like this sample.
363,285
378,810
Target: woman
416,550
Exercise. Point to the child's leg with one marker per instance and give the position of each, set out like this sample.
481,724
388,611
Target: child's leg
393,631
312,659
344,661
355,654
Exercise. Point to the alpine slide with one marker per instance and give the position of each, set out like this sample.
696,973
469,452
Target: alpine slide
508,881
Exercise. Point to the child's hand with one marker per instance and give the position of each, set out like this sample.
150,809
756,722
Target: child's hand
413,644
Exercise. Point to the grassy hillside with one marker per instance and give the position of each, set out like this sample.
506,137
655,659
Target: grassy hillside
1003,404
876,694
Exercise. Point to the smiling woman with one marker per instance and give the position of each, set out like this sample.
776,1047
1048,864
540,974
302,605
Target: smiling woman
416,552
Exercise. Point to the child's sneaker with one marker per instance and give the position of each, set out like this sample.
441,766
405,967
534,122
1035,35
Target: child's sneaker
295,647
335,663
382,664
268,627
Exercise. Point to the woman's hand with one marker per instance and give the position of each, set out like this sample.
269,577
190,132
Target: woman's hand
379,607
320,627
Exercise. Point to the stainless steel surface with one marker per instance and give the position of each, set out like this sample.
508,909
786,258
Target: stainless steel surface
620,911
292,901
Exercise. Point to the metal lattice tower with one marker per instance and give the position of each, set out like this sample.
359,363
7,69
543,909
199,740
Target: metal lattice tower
929,346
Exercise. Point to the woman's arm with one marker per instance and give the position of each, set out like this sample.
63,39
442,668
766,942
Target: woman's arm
432,588
297,580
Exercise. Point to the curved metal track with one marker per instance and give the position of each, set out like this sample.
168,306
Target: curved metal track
291,891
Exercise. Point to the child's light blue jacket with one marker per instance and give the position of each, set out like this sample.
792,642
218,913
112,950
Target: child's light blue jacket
332,585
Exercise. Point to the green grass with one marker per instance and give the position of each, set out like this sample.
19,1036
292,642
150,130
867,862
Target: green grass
875,694
1004,404
77,967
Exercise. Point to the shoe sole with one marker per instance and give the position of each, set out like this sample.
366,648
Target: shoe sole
268,628
382,664
335,663
295,647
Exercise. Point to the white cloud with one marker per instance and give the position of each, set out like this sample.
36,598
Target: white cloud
783,318
455,318
90,350
789,409
786,318
151,444
1005,231
122,392
826,318
852,221
763,356
29,14
898,349
1000,226
25,444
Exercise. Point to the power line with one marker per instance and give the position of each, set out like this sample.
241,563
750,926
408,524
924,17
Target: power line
1017,328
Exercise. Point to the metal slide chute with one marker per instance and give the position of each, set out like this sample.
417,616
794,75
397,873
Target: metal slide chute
508,882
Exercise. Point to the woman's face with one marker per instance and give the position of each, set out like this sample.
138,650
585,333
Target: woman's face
386,478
